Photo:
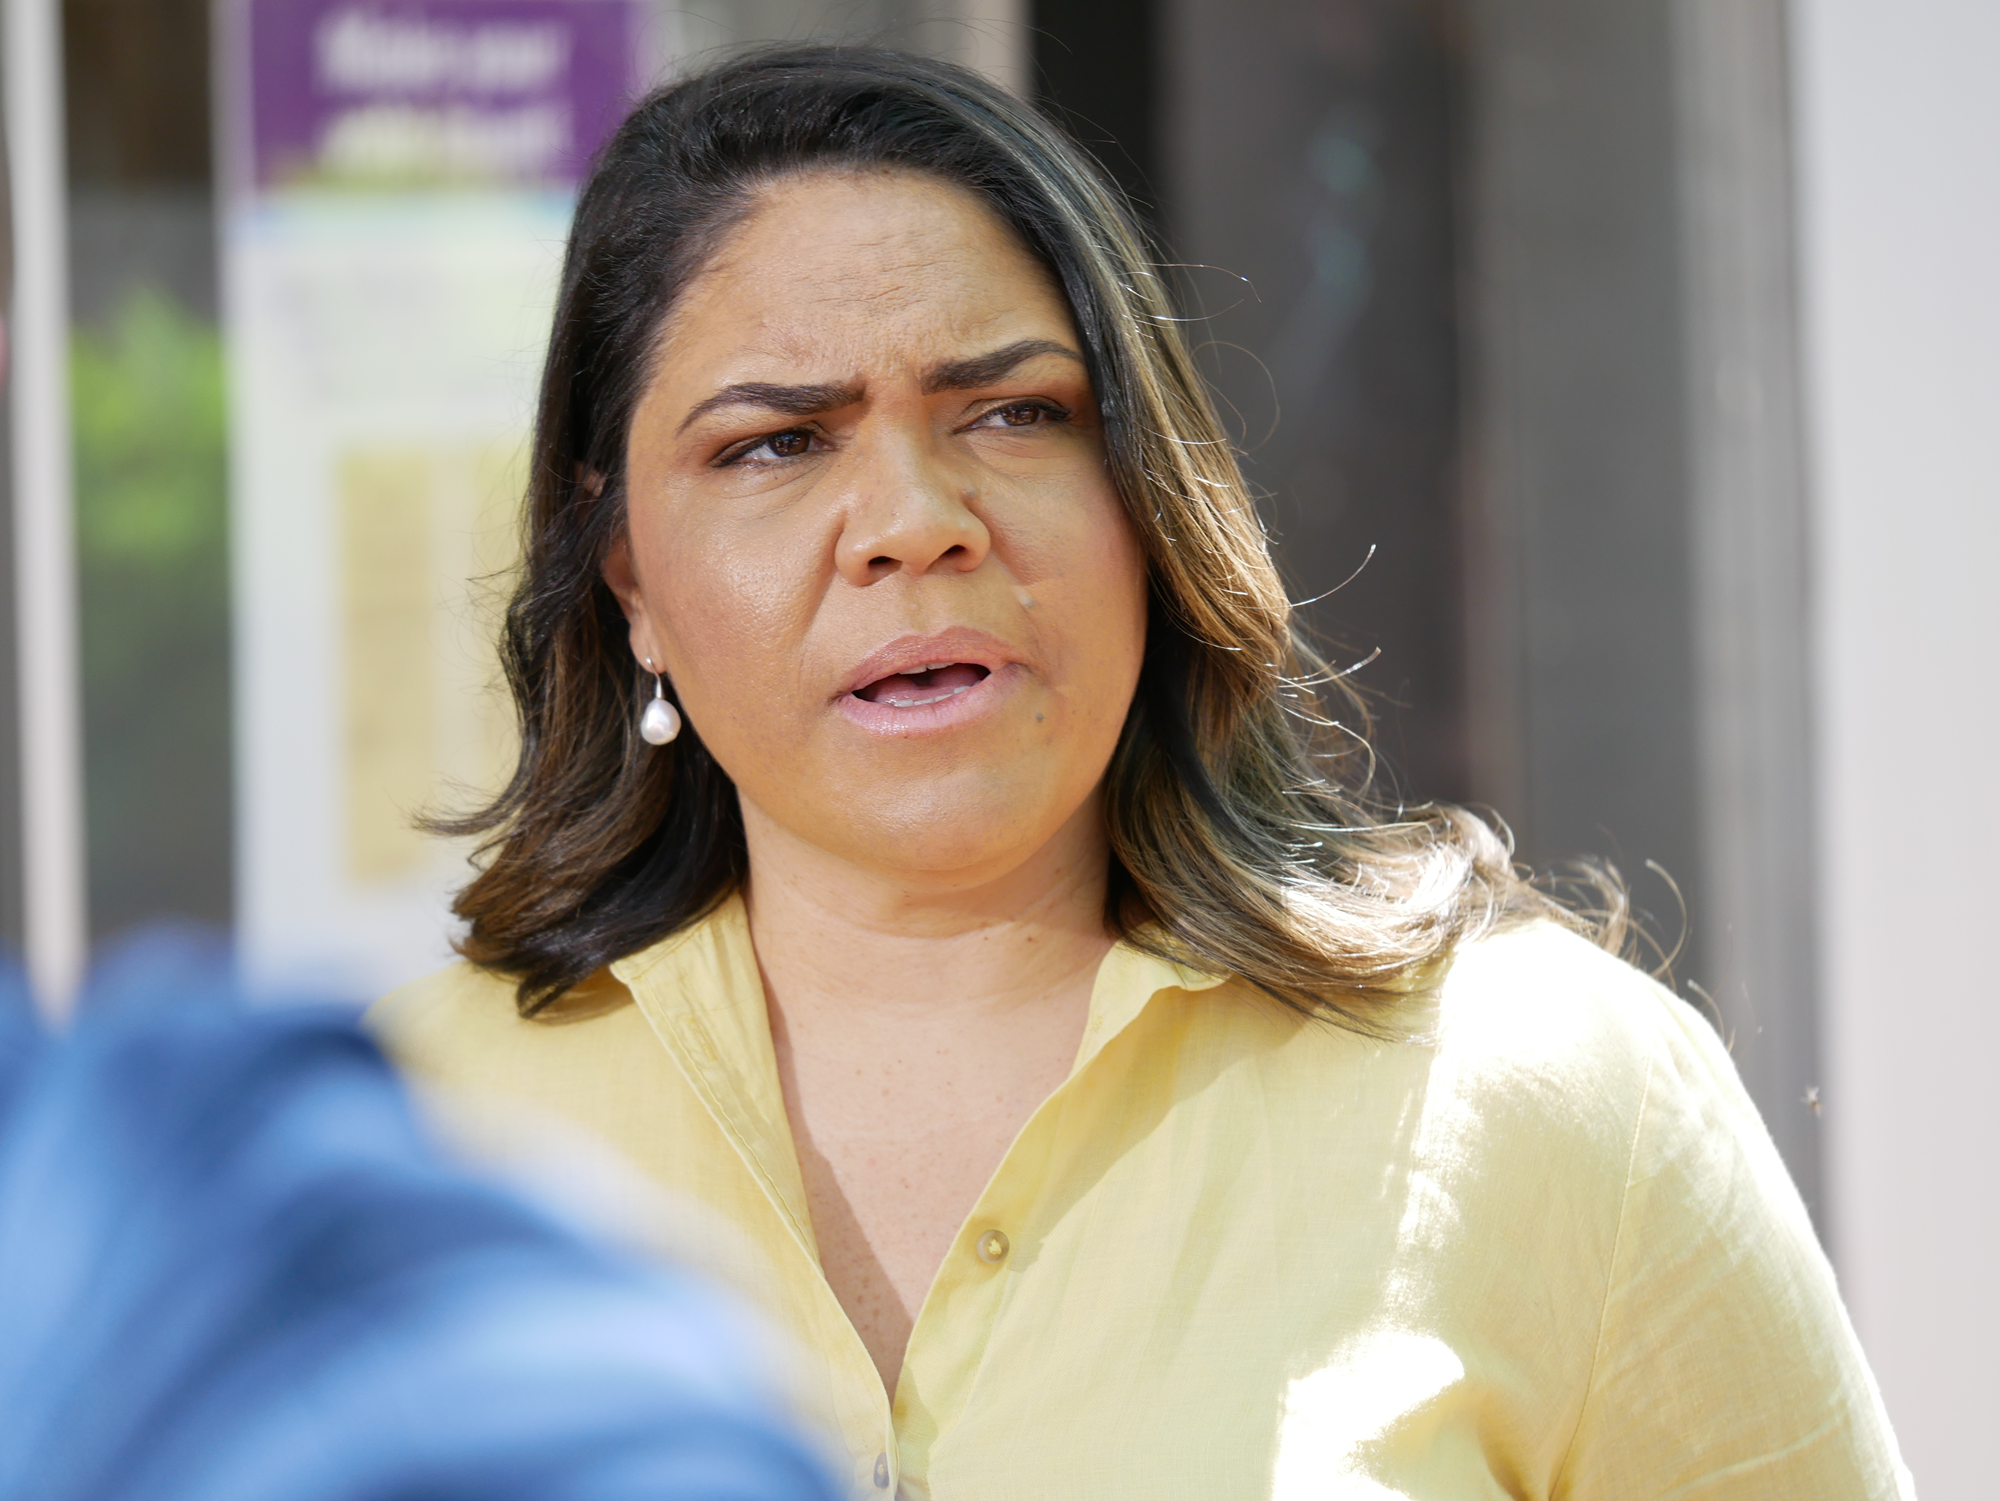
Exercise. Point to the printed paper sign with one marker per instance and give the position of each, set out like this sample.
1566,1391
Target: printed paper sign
401,177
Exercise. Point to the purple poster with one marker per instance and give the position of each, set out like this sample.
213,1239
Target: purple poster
434,93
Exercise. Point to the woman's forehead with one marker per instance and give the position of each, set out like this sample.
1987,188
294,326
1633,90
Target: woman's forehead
856,264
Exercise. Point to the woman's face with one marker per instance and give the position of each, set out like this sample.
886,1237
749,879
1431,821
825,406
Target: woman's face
872,539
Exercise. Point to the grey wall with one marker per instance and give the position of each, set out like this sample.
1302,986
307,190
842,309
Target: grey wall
1899,121
12,929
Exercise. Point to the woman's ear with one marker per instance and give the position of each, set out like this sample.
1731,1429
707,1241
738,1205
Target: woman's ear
623,580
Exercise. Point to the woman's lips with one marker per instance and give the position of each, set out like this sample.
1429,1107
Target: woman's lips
918,684
902,707
960,646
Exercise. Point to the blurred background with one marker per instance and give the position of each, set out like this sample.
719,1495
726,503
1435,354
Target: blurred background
1612,375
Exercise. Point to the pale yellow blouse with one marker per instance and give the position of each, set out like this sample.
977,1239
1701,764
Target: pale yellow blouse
1239,1254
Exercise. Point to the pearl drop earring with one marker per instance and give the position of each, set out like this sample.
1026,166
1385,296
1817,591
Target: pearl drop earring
661,721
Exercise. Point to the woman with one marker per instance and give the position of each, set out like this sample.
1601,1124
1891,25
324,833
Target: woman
997,933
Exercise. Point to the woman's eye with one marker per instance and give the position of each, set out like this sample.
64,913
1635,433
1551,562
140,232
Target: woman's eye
1022,414
792,444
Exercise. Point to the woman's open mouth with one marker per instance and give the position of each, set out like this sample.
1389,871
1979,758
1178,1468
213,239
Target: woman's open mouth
917,686
931,683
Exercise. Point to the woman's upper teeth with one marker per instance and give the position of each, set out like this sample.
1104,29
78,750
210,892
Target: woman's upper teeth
917,703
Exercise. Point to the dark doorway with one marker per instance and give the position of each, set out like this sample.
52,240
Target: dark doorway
1300,161
1097,68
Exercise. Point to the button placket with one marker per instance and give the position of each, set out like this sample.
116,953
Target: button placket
701,995
948,1345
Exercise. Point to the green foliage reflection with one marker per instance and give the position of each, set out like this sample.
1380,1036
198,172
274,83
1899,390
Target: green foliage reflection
153,572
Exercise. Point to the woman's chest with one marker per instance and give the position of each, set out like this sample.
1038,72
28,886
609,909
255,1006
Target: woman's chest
1203,1271
1229,1329
1197,1288
892,1156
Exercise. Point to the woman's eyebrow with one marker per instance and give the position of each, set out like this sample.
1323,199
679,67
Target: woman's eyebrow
810,400
788,401
984,369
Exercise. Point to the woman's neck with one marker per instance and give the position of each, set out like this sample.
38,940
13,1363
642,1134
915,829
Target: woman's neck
884,947
917,1024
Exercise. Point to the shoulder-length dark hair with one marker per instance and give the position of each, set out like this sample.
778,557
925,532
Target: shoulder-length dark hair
1238,809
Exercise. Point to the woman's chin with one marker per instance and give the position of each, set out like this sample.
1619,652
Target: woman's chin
947,842
947,859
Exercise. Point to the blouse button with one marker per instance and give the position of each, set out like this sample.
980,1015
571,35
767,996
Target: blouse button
991,1247
881,1472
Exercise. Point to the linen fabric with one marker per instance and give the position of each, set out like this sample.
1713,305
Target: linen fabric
1549,1251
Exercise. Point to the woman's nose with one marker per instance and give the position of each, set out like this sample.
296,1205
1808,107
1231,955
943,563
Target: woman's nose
910,512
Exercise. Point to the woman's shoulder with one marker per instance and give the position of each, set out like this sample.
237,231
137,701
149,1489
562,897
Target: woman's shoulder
1538,1026
457,985
465,1018
1542,1000
1588,1083
1577,1062
461,998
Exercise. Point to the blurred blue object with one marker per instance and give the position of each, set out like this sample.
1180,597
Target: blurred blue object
231,1266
